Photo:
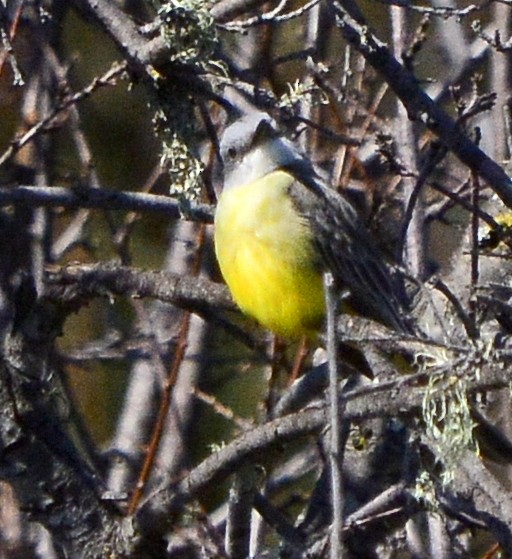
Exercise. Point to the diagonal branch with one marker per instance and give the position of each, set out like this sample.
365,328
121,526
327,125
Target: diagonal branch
420,107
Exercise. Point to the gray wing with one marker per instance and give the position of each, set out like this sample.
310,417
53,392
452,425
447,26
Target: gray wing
350,253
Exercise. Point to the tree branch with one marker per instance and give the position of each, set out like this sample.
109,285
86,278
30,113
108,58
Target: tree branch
139,50
401,397
85,197
76,282
420,107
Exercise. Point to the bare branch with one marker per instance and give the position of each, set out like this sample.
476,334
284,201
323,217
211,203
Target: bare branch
44,124
86,197
79,282
396,397
419,105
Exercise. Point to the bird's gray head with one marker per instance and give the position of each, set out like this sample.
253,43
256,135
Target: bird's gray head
252,147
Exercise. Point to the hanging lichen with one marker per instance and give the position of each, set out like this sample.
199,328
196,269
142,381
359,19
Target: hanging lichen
190,35
447,416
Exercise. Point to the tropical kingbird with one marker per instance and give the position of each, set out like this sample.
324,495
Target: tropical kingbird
278,227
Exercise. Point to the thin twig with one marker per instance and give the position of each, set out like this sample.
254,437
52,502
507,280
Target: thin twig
106,79
335,415
274,16
467,320
439,11
8,36
170,382
222,410
475,253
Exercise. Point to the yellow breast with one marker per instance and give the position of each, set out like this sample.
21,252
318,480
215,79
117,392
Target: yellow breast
265,252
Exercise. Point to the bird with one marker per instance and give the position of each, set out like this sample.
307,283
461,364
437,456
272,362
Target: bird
279,227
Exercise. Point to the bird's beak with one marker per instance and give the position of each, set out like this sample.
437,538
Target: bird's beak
264,131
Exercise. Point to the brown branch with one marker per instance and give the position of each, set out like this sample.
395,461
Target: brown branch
170,382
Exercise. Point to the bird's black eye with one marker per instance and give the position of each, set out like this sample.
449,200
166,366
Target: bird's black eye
232,153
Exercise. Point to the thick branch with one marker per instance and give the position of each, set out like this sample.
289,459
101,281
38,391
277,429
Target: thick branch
78,282
52,481
476,489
